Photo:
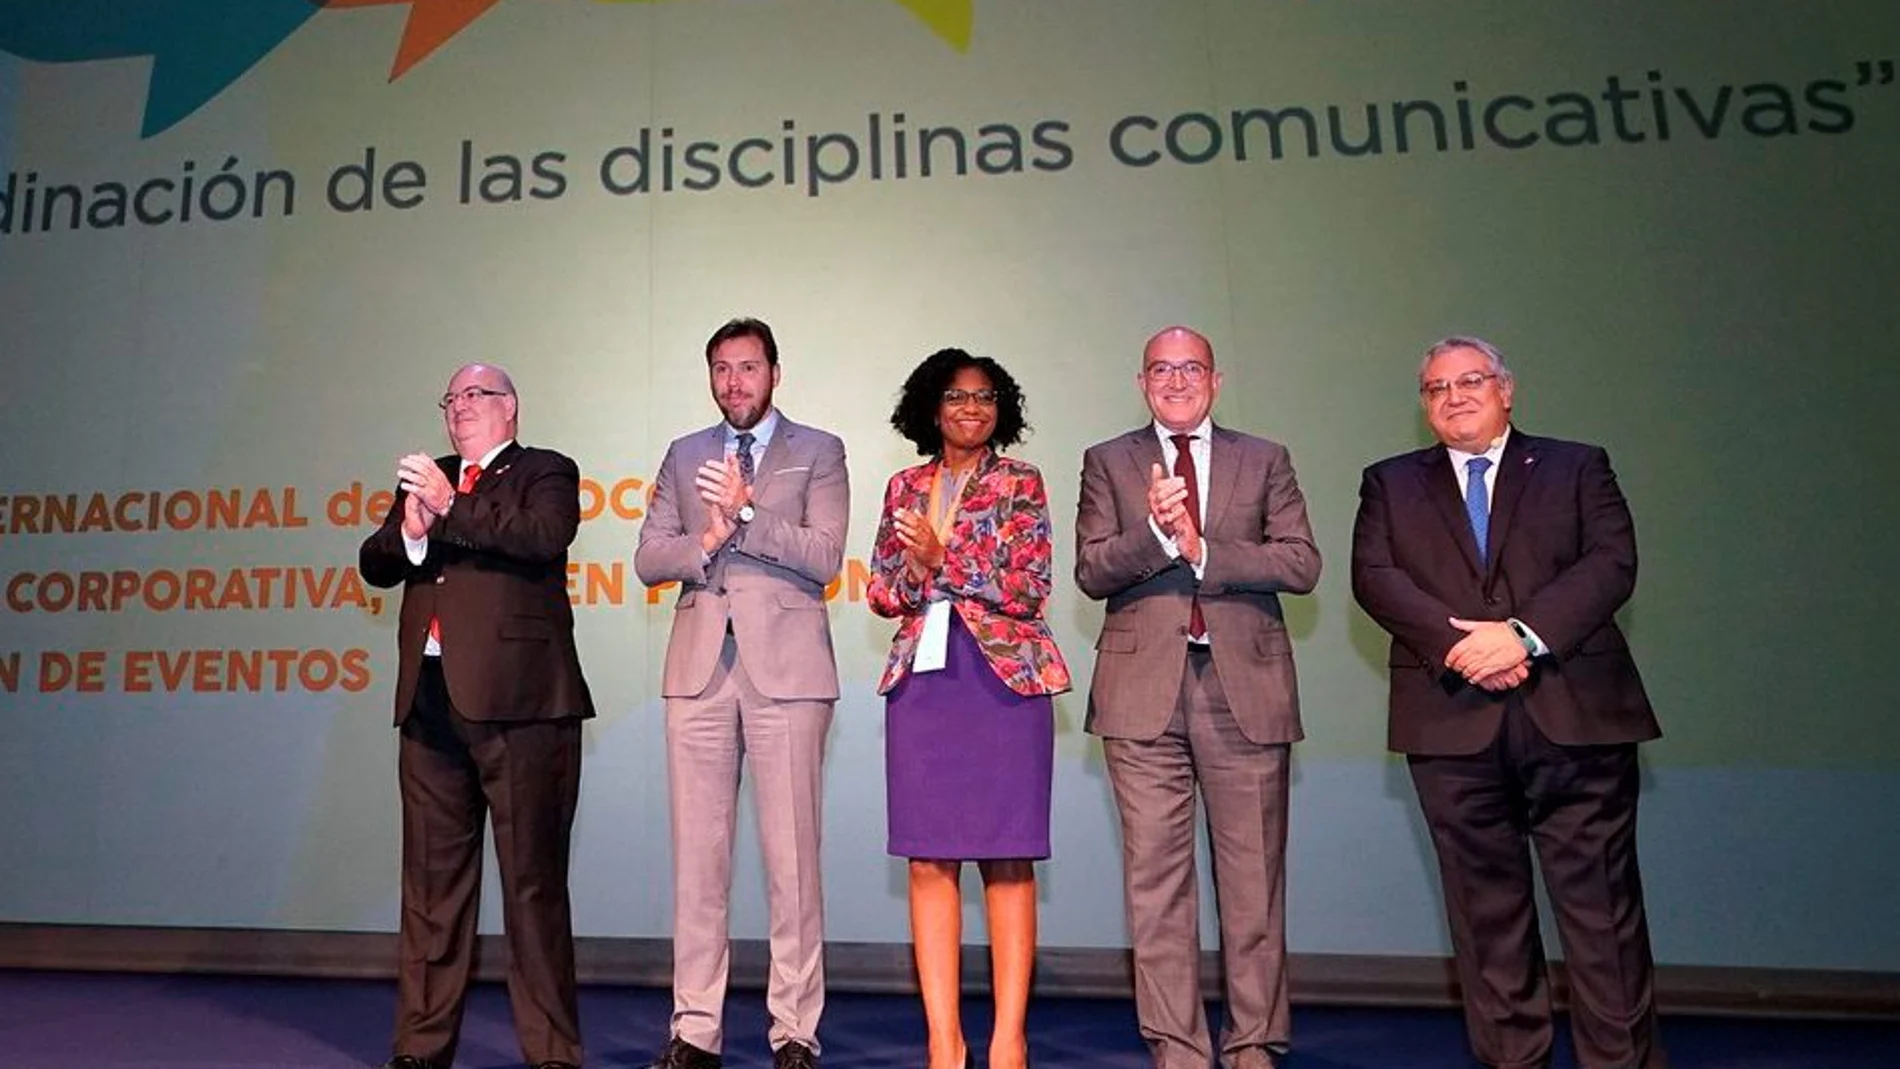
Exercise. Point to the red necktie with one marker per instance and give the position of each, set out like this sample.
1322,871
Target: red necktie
1184,470
469,475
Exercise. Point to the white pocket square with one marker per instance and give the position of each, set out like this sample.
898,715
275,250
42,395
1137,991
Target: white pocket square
785,471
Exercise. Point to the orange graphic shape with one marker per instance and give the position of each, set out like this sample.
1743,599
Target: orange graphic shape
431,24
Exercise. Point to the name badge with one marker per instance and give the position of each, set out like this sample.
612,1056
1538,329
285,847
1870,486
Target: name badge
933,646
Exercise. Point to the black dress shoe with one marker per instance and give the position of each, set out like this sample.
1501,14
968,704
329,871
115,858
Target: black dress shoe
555,1065
794,1055
408,1061
680,1054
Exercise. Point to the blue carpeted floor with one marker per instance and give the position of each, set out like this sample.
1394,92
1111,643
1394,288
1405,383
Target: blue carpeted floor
114,1021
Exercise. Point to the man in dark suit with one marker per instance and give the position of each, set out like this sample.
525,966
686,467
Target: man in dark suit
1497,561
1192,532
489,701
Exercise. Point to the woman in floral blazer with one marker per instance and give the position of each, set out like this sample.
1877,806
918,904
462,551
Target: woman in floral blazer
963,560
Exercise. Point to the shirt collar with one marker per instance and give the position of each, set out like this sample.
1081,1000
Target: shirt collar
488,458
761,432
1460,458
1204,431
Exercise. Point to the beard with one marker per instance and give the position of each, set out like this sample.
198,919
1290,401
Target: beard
744,413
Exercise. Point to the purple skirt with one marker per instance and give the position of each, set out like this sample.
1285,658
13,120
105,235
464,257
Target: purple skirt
967,762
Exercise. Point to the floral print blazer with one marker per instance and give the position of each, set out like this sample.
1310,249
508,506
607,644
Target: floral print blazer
996,571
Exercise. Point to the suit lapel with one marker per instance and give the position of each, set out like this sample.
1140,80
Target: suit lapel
451,466
707,445
777,452
711,445
1515,469
985,465
1441,489
1144,452
499,466
917,485
1223,475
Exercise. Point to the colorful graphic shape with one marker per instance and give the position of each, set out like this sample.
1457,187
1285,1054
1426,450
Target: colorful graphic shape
948,19
198,47
431,24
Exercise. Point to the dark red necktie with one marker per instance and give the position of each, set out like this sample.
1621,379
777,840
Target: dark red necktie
1184,470
469,475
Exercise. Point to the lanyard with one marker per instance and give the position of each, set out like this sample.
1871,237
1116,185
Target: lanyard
943,504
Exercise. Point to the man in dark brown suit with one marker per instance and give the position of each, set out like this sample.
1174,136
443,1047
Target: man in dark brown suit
489,701
1497,561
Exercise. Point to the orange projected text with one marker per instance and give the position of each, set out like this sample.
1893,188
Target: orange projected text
626,499
151,510
190,590
592,582
197,671
246,671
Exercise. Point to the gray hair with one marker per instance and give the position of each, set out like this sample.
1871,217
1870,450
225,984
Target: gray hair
1467,341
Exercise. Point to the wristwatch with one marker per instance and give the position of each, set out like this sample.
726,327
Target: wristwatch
745,513
1523,635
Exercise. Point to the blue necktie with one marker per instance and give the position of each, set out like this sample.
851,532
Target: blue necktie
1478,503
745,455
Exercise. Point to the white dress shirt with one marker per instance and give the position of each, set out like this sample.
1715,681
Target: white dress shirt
1461,467
418,548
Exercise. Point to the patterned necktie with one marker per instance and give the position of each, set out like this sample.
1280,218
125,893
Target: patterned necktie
745,456
1478,504
1184,470
469,475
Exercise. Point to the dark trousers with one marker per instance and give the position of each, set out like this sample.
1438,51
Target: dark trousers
453,773
1576,805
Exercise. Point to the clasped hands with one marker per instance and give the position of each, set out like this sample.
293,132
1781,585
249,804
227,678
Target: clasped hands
923,550
725,492
427,493
1168,504
1490,655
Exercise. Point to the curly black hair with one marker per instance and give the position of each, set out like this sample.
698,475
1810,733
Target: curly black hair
915,416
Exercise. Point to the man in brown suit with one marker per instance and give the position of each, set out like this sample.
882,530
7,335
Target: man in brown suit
749,517
1192,532
1497,561
489,700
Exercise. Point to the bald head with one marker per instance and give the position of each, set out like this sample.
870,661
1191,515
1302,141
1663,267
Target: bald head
1178,379
482,410
1177,339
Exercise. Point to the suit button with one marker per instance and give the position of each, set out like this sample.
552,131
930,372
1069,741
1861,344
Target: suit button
440,579
1491,599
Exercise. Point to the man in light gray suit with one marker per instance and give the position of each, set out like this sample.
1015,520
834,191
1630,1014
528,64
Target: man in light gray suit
749,516
1192,532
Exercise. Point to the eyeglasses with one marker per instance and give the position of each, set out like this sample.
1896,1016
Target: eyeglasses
985,398
470,394
1192,371
1469,382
